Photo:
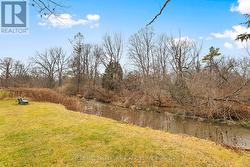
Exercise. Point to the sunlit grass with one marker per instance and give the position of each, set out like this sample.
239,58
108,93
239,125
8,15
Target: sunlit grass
44,134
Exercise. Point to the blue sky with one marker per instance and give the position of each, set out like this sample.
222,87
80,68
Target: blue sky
212,21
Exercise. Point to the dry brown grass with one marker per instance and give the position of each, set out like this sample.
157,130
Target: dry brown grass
47,95
218,110
102,95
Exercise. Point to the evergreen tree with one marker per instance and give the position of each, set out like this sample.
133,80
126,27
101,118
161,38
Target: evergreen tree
209,58
245,36
112,77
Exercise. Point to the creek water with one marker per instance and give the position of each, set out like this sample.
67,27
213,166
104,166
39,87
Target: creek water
232,136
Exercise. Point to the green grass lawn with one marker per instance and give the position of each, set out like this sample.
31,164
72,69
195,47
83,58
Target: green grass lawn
44,134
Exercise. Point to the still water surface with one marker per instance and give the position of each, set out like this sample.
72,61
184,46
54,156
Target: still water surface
234,136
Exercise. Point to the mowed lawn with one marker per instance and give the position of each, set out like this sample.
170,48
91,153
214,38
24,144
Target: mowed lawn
44,134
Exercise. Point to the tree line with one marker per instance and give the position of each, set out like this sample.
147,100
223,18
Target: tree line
164,67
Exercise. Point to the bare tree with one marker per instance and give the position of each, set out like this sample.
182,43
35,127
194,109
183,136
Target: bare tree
141,50
86,61
196,54
181,61
20,73
113,48
150,55
162,54
46,64
228,70
6,66
113,51
19,69
244,67
181,57
96,61
62,61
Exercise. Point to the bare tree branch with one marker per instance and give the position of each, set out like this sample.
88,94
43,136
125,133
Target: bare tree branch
47,7
156,16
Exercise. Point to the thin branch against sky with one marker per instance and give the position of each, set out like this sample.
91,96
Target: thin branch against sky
47,7
160,12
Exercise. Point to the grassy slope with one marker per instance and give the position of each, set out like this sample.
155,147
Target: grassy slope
47,134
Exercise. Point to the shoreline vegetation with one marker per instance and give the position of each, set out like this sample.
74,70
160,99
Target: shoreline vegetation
49,134
76,104
168,71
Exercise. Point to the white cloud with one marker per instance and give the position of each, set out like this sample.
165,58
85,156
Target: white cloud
184,39
242,7
232,34
228,45
93,17
67,21
236,30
